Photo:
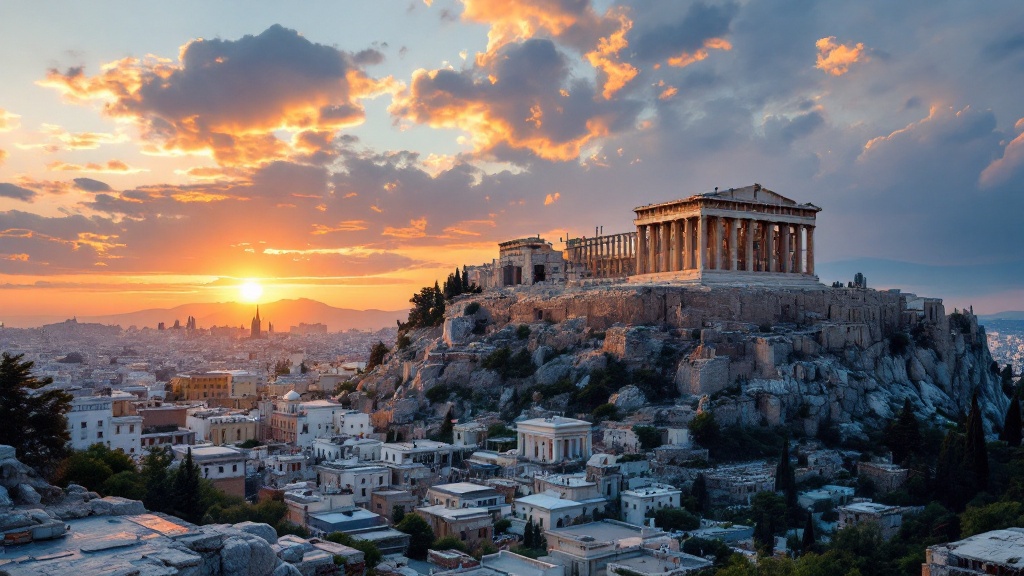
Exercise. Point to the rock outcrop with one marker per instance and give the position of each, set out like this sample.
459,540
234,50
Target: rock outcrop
802,357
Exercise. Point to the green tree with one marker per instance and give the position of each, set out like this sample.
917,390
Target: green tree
903,436
371,554
157,479
34,421
785,478
126,484
768,510
700,493
449,543
81,468
674,519
447,429
377,353
1011,432
529,535
649,436
808,540
397,513
421,536
952,478
705,430
995,516
976,452
186,490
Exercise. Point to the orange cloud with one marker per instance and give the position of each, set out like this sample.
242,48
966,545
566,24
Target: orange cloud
836,59
416,229
8,120
552,198
14,257
227,98
110,167
3,156
343,226
465,227
605,58
684,59
1005,168
668,93
600,38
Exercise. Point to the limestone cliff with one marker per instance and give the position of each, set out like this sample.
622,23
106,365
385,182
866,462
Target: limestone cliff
801,357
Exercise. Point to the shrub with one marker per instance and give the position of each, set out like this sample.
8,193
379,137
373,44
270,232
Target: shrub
899,343
449,543
605,412
523,332
473,308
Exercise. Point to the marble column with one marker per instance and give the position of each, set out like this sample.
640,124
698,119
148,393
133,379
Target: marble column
799,249
687,244
675,254
787,262
769,247
719,233
666,252
810,250
733,239
749,245
702,242
641,252
652,249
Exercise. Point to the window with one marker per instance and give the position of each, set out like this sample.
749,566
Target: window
85,425
99,423
131,428
99,434
117,429
220,469
234,467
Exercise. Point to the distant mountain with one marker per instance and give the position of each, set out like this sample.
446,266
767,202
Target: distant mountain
1007,315
282,314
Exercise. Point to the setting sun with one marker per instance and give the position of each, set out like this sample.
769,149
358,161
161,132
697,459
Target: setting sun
250,291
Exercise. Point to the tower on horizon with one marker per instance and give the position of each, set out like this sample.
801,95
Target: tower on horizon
254,331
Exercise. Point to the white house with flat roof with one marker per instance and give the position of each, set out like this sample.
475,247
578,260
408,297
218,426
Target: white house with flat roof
554,439
352,423
636,503
361,479
222,465
426,452
587,549
995,552
91,420
549,511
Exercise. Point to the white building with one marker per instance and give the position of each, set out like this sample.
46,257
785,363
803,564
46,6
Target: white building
995,552
91,421
360,479
299,423
549,511
636,503
426,452
554,439
223,466
352,422
469,434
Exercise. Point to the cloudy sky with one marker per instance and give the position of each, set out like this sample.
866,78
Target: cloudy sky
352,152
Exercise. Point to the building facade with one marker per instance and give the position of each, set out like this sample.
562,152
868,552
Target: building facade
636,503
554,439
717,236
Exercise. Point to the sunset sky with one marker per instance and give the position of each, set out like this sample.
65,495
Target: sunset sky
155,154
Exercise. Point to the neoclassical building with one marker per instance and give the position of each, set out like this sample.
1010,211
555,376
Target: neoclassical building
740,234
554,439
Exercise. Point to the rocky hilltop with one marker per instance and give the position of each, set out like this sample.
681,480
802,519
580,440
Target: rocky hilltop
845,358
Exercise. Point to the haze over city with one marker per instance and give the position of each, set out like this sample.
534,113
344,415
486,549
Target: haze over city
351,153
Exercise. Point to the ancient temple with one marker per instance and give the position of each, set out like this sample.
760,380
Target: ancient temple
739,235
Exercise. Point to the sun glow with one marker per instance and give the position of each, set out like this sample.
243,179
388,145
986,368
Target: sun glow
250,291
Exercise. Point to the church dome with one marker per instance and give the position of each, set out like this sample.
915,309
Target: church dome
292,396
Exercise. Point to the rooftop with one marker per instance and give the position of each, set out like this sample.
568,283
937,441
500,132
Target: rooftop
346,515
653,490
555,422
462,488
514,564
547,502
1004,547
870,508
660,563
606,531
453,513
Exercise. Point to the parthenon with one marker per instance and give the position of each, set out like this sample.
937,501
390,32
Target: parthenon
747,233
744,236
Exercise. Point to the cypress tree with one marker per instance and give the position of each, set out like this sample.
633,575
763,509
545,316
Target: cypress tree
976,451
465,280
458,282
1011,433
785,478
528,539
186,489
951,476
809,538
904,435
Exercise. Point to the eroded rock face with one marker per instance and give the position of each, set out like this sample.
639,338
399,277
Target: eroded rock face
628,398
762,355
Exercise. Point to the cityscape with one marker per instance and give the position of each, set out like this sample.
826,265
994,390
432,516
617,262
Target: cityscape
531,288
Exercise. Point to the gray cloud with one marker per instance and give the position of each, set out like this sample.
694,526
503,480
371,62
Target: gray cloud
8,190
90,185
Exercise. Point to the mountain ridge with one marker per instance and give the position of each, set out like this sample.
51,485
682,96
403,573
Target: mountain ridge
282,313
